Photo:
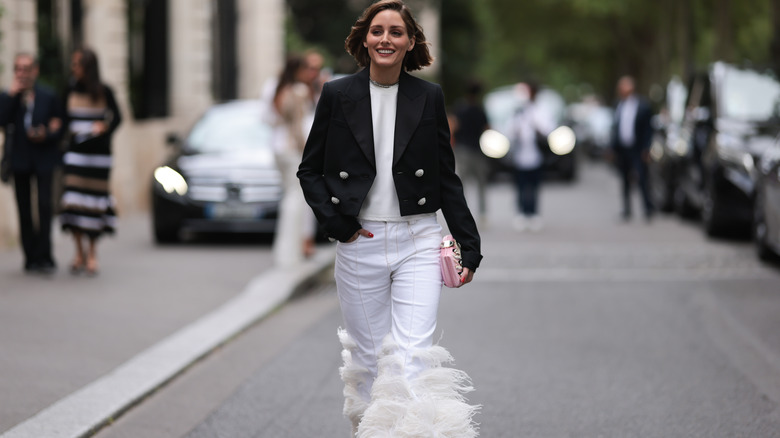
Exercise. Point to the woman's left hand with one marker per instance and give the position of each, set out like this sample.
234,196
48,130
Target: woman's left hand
466,276
99,128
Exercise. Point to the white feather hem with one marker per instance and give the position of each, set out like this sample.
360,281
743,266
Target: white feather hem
431,405
353,376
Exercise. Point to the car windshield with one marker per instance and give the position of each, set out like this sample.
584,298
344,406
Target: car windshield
501,105
229,129
749,96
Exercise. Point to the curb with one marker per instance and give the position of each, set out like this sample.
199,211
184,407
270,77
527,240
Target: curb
101,402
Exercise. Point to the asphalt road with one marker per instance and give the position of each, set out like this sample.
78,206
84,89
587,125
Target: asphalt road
589,328
59,333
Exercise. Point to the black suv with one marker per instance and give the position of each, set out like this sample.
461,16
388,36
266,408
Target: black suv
731,117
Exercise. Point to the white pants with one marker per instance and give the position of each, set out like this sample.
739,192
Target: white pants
390,284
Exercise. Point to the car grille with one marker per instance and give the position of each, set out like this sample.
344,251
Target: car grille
247,190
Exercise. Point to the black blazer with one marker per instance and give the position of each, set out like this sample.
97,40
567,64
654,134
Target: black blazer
338,166
643,128
24,155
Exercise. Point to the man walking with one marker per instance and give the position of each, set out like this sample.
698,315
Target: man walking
31,116
631,136
471,162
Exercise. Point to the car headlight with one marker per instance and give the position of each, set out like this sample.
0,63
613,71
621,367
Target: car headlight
561,140
656,151
493,144
680,146
731,149
170,180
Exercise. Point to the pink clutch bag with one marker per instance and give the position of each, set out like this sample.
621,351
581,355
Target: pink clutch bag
451,263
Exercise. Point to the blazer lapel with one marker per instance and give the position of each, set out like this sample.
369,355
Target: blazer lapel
411,102
356,104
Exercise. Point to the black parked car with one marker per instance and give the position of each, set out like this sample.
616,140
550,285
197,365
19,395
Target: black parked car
731,117
668,146
222,178
766,223
560,158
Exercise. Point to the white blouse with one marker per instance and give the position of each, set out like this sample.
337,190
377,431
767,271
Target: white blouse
381,203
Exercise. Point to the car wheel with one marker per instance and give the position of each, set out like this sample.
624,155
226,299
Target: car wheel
165,234
164,231
663,195
710,212
682,206
760,232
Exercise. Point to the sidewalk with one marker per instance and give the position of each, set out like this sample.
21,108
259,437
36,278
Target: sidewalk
79,351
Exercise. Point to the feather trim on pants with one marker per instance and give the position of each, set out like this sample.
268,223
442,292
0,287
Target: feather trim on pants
354,377
430,405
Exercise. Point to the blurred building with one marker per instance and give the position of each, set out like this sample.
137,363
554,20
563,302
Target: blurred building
167,60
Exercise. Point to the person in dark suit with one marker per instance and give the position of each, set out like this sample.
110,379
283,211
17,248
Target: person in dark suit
31,116
631,136
376,168
471,122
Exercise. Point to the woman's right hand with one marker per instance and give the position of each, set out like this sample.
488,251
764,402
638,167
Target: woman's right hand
362,232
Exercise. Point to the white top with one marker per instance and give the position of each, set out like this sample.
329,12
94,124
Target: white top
381,203
627,120
525,125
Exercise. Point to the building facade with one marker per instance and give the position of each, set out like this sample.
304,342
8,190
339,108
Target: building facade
167,61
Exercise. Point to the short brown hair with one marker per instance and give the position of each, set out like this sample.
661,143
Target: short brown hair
416,59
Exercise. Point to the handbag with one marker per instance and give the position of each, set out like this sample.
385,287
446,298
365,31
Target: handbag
451,262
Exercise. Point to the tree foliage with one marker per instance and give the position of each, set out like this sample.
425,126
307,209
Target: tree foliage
576,46
592,42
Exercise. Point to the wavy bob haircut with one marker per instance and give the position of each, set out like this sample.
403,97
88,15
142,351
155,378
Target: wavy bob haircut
416,59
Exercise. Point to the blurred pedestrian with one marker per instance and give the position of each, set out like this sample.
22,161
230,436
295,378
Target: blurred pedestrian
293,103
377,166
92,116
31,116
632,134
314,64
472,164
529,129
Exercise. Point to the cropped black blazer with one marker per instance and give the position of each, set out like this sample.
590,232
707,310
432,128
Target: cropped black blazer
338,165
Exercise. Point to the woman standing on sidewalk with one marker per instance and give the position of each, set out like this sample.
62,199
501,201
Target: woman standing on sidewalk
92,116
376,168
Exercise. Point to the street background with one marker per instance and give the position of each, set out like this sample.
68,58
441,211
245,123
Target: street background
590,327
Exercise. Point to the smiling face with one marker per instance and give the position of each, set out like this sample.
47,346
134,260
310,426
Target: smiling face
387,41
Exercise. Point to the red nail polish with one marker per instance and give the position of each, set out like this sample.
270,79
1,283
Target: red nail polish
370,235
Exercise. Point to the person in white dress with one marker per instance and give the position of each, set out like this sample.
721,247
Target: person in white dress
529,129
293,111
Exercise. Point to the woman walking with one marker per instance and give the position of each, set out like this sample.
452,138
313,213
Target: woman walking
376,168
92,116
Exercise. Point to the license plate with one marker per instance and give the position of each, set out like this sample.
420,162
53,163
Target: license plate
234,211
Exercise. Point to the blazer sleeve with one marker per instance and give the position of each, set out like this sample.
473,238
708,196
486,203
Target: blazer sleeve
9,105
311,169
644,125
54,111
453,203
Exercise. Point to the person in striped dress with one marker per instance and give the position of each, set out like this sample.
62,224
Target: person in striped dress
92,116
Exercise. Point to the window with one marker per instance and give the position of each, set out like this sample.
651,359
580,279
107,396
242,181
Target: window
224,66
148,57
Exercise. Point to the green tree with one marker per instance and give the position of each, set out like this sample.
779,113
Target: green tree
565,42
51,59
460,48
